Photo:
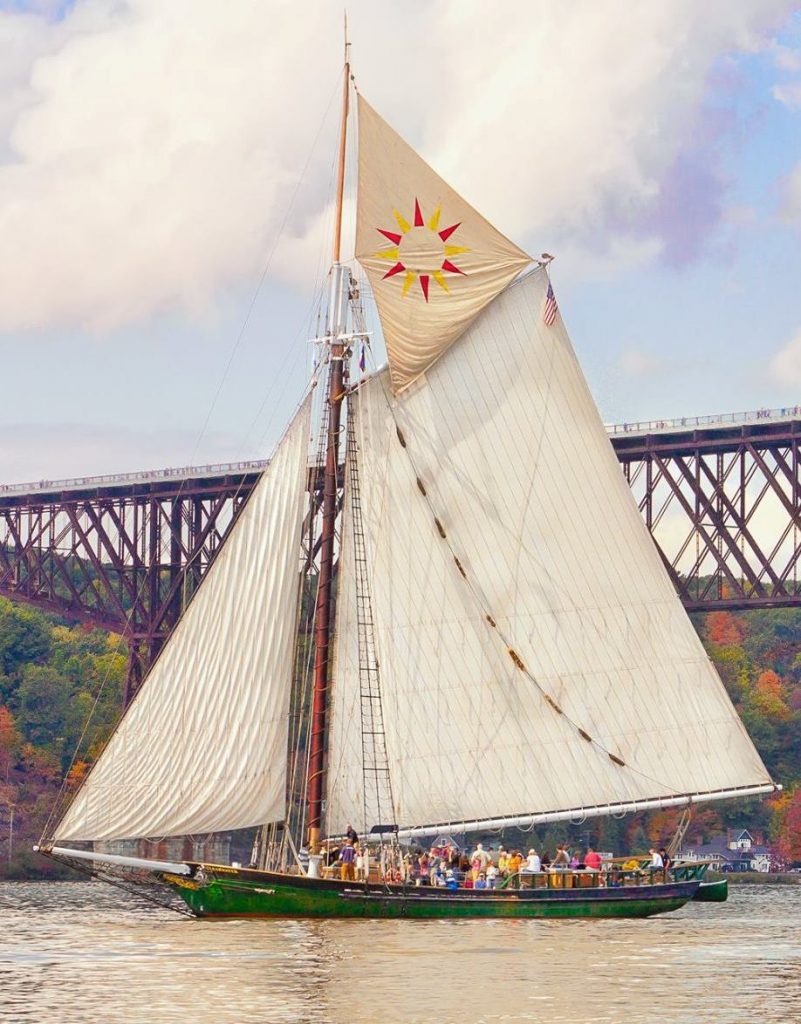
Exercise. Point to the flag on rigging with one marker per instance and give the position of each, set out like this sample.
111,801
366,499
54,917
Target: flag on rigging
549,309
362,360
434,263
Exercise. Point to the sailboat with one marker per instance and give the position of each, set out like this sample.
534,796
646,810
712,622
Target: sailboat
504,648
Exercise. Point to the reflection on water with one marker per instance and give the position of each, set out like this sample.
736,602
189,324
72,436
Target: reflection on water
74,953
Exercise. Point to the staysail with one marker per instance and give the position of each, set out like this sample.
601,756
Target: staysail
536,662
433,262
203,746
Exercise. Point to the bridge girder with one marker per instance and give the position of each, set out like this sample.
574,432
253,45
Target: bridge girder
722,504
724,508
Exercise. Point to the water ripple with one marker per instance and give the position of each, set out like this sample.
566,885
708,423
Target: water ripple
79,952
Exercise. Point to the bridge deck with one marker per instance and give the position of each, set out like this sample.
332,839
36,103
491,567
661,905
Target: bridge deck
147,481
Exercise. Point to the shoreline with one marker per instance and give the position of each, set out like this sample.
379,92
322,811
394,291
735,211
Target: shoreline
755,877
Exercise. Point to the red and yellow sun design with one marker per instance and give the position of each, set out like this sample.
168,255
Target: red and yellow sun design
421,251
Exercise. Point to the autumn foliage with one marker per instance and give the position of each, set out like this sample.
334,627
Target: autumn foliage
723,629
51,674
787,826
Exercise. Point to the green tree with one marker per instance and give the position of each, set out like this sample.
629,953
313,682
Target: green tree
44,706
24,638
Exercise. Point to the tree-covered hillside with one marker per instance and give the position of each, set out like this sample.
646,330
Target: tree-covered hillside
758,655
52,674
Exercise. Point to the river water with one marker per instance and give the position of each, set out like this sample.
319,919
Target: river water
84,953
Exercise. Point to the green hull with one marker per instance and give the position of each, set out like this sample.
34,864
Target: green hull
244,893
713,892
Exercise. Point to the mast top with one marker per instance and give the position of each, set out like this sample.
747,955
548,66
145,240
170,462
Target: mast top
342,143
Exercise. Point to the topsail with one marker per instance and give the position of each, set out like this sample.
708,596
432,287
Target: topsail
432,260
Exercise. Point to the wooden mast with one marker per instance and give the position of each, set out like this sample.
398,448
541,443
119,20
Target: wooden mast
336,326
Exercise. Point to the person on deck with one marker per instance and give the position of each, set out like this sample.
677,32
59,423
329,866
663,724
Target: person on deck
362,863
514,862
492,875
533,863
592,860
667,863
561,861
503,862
347,860
350,833
478,860
481,881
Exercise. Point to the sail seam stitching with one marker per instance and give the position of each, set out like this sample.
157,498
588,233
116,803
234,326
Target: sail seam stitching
490,619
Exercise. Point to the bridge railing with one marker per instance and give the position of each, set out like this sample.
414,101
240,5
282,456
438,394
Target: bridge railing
256,465
692,422
144,476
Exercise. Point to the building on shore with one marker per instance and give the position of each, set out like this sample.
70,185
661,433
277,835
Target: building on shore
738,850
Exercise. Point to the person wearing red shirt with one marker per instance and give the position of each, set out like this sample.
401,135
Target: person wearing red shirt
592,860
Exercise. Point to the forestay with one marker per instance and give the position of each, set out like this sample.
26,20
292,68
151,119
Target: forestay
203,746
509,683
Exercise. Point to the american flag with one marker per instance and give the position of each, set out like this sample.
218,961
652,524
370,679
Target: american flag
550,309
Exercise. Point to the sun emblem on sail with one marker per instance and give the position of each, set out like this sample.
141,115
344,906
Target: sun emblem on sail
421,251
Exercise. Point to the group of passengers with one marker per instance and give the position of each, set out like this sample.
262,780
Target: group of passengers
446,866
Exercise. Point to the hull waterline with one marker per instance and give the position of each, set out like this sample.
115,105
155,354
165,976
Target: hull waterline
225,892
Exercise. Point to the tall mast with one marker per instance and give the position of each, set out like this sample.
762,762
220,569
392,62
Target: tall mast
335,330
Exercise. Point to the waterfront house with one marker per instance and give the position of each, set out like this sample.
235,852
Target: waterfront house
736,851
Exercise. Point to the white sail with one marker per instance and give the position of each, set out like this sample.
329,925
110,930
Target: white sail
203,746
535,660
432,260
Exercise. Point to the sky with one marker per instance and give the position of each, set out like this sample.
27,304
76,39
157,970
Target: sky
166,180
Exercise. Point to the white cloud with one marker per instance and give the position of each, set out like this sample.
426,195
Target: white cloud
786,58
789,94
784,369
149,150
610,258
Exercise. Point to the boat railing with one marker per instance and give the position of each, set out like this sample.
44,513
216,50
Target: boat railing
620,872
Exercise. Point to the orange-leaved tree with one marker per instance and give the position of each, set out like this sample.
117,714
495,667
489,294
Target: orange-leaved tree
786,826
768,697
723,629
10,741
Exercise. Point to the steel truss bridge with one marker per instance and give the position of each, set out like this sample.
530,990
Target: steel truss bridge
721,497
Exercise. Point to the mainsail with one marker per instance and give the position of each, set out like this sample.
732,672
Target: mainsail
203,747
536,662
